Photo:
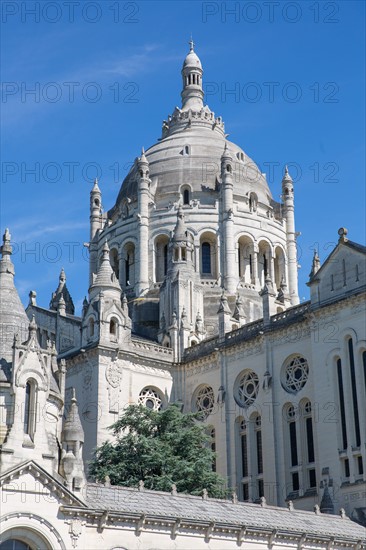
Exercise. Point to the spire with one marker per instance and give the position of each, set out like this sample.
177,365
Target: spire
73,430
95,187
62,292
13,319
315,266
286,176
72,441
105,279
326,505
143,158
192,94
180,227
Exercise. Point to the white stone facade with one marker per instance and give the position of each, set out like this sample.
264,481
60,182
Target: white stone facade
192,299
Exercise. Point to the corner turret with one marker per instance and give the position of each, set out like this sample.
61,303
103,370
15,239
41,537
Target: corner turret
289,214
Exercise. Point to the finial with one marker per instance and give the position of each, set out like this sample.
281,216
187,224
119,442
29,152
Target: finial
342,232
204,494
73,397
32,325
191,44
62,275
141,485
290,505
286,176
33,298
6,248
174,489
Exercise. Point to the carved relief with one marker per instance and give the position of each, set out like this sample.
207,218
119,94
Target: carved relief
113,374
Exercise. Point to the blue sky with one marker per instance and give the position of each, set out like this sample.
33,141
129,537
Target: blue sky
105,74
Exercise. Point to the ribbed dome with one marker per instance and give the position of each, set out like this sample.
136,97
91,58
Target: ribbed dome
13,319
192,156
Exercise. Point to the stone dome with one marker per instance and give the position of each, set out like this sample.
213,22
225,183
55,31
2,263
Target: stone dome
189,153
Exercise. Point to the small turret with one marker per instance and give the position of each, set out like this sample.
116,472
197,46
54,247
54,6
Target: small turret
192,93
227,189
289,214
326,504
105,279
95,209
72,466
63,293
268,296
143,228
315,266
224,315
239,313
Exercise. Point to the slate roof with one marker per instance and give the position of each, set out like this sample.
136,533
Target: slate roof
187,507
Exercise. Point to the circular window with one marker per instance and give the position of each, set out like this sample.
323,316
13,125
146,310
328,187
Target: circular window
295,374
150,399
205,400
247,389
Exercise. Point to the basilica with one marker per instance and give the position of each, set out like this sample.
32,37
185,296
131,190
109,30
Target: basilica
192,299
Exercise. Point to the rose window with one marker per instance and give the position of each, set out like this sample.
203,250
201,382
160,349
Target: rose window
150,399
205,400
296,374
248,389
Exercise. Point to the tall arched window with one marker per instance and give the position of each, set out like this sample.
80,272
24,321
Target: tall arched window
30,408
129,261
113,257
113,329
161,257
91,327
259,455
186,196
206,258
354,392
342,404
309,439
244,459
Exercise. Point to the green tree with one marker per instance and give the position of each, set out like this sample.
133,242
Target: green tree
160,448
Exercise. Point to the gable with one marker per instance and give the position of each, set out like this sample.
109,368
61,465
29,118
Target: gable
30,483
343,272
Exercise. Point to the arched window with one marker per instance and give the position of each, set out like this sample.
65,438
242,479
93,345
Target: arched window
244,459
213,448
113,257
342,404
354,392
245,259
161,257
113,327
129,262
258,440
307,421
206,258
290,417
91,327
186,196
30,408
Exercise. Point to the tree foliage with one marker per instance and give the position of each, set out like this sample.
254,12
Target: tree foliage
160,448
